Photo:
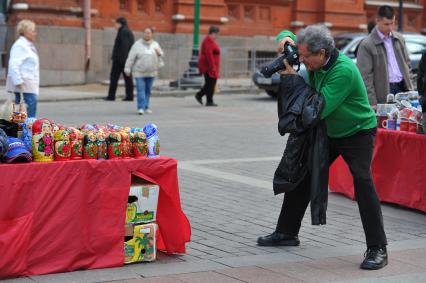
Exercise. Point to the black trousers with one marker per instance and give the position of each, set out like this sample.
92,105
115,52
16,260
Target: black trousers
394,88
357,151
116,70
208,88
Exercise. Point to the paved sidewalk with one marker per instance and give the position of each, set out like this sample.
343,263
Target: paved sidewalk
227,156
160,89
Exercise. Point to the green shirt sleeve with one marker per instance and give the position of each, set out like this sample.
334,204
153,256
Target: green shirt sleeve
285,33
336,89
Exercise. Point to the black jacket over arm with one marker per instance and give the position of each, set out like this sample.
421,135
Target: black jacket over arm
306,153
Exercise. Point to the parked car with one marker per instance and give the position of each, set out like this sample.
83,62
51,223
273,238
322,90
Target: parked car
348,43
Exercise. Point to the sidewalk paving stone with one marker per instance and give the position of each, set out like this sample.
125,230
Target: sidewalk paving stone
225,187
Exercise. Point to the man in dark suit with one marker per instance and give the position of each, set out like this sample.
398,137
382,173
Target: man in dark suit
123,43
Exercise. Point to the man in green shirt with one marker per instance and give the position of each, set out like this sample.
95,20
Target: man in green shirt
351,129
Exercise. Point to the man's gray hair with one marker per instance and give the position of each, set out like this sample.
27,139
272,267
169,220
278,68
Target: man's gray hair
316,37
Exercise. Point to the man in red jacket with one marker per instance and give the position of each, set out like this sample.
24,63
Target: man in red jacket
208,65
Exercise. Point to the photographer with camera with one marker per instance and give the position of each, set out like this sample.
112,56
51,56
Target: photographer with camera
351,129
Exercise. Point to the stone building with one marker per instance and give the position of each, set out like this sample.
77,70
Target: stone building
74,50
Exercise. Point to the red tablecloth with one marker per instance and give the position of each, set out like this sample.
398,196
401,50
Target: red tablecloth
399,170
64,216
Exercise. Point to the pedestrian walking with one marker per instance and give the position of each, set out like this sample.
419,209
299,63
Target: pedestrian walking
383,59
24,71
123,42
209,66
145,59
351,129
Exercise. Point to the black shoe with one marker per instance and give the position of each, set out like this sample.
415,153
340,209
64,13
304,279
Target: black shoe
198,98
375,258
127,99
211,104
108,98
278,239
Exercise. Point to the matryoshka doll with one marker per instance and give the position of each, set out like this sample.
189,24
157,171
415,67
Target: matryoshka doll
28,133
62,145
114,146
90,149
152,140
102,145
43,145
140,147
126,144
76,139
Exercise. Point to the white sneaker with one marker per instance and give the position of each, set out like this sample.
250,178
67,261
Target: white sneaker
141,112
148,111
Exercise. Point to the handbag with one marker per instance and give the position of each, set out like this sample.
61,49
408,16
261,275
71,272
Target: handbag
6,108
160,62
13,112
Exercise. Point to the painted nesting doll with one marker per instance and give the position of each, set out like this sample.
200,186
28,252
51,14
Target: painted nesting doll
90,149
140,148
126,144
102,145
114,145
76,139
62,145
152,140
27,130
42,141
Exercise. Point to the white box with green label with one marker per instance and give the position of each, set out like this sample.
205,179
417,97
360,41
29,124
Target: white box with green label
144,201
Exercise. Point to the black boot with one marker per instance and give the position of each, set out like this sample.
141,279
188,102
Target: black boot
375,258
198,97
278,239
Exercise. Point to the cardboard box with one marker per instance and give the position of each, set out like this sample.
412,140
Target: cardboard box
129,228
143,246
144,200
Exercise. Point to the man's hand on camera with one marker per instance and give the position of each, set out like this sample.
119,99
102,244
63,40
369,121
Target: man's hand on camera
283,41
288,69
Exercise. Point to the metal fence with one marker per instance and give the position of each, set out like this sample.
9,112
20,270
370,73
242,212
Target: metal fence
235,63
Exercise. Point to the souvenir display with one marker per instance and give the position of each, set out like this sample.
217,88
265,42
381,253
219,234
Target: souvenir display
140,148
4,145
87,128
126,145
90,149
114,146
62,145
55,128
152,140
76,139
18,113
27,133
102,145
48,141
402,112
42,141
16,152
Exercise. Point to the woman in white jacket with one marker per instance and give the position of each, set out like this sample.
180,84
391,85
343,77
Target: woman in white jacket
143,62
24,74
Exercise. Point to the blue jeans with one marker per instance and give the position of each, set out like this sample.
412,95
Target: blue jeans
31,101
143,88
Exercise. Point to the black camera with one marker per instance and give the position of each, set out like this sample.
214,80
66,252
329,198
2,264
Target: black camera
289,53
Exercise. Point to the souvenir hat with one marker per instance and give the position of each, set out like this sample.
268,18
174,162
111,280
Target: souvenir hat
4,145
17,151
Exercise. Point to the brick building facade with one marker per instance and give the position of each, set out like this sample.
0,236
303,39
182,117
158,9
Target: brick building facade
62,38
